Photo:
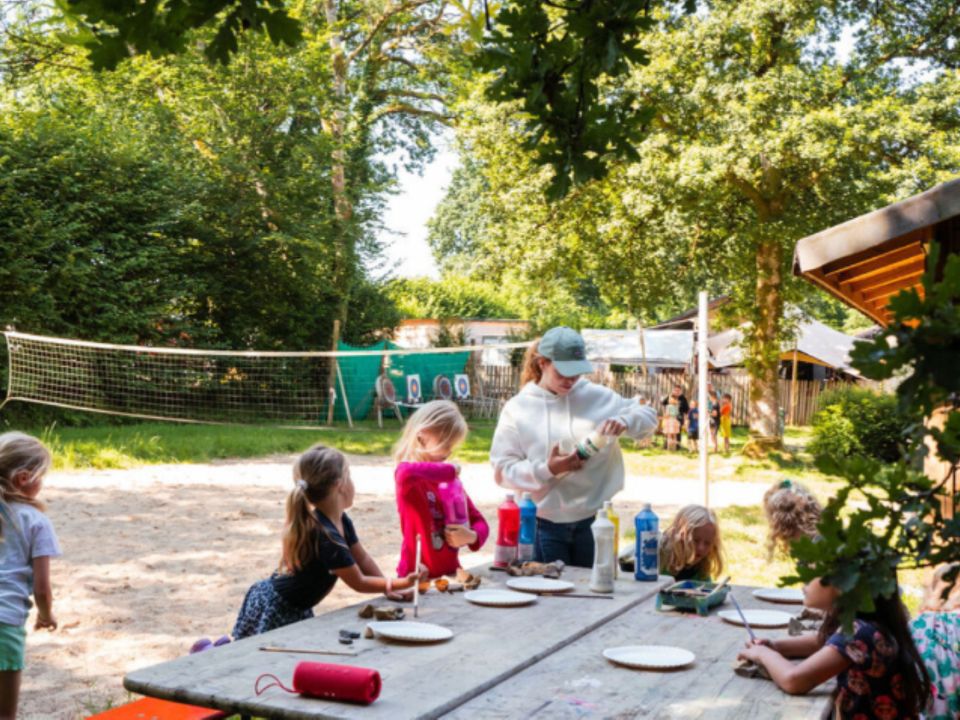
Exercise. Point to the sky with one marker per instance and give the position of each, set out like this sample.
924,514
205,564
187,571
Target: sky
407,213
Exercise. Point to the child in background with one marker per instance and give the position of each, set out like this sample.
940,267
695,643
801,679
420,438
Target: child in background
27,542
726,423
713,410
319,546
671,423
879,672
690,548
936,633
693,426
792,513
431,435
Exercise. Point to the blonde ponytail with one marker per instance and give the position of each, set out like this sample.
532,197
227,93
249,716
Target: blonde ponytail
19,452
315,474
440,417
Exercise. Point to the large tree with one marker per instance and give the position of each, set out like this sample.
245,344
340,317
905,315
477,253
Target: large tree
762,134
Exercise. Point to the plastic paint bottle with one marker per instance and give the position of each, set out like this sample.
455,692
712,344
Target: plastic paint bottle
454,502
508,531
601,577
615,519
528,528
592,444
648,545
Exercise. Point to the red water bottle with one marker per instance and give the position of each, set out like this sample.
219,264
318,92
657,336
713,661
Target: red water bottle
508,533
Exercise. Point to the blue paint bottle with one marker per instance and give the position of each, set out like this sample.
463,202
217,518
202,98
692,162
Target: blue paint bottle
647,525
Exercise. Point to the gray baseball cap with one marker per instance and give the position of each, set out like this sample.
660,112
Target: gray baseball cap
566,349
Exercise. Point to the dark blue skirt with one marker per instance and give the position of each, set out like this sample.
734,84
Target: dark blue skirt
263,609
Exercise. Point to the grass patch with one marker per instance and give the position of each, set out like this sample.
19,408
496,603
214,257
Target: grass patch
126,446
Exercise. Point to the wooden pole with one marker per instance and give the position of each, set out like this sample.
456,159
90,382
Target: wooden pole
643,350
793,389
332,375
703,329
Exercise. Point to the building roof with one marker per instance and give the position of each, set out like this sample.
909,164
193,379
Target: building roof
867,260
664,348
815,342
687,320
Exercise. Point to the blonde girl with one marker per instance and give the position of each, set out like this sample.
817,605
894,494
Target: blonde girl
320,545
429,438
27,542
691,548
792,513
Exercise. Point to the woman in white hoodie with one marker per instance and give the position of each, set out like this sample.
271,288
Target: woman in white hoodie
534,446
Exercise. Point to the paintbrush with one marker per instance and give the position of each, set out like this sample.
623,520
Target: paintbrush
269,648
416,582
742,617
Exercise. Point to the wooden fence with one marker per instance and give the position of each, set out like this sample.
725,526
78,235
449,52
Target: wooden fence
502,383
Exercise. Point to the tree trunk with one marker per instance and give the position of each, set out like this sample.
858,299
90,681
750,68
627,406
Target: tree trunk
343,207
763,339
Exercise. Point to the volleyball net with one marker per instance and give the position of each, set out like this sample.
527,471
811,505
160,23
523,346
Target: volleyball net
309,389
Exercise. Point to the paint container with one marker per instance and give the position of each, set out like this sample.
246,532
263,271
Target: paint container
647,524
528,528
508,532
454,502
592,444
615,519
601,577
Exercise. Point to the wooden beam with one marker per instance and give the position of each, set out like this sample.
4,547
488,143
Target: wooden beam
883,273
850,297
892,287
899,247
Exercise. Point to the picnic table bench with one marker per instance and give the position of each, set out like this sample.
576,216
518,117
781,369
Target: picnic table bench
501,662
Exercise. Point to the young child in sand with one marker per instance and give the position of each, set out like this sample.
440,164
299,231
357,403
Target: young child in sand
27,542
690,548
936,633
319,546
792,513
878,670
726,420
431,435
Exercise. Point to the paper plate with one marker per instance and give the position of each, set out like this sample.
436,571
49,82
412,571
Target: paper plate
757,618
539,584
779,595
658,657
411,631
499,598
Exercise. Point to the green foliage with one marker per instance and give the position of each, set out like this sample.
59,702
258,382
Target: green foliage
452,297
856,420
113,30
902,522
565,63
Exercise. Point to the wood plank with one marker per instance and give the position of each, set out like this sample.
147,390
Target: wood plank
903,246
578,680
419,681
891,288
884,274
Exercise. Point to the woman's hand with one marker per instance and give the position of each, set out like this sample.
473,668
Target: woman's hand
612,426
559,463
457,536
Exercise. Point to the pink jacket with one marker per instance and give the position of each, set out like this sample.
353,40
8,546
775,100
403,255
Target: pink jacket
418,502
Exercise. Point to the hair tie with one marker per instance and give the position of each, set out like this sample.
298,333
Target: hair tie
786,484
302,484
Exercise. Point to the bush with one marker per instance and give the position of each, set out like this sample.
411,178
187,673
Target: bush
856,421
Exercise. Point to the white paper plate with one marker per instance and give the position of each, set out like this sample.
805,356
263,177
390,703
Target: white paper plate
411,631
779,595
658,657
539,584
757,618
499,598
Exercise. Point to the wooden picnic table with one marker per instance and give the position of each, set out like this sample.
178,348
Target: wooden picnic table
539,659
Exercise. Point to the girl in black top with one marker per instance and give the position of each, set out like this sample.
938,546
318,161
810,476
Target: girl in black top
319,546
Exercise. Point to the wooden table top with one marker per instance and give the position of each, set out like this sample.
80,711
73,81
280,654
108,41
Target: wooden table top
577,681
490,645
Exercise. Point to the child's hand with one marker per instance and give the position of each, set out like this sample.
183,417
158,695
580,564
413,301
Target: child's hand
457,536
45,621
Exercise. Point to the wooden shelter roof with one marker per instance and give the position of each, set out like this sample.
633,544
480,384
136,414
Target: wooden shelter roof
867,260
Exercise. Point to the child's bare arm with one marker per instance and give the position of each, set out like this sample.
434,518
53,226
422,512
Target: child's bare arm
43,594
797,647
367,565
798,679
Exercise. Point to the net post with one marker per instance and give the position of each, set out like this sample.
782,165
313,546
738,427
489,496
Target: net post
343,392
331,376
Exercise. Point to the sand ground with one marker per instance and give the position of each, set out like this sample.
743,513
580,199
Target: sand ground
158,556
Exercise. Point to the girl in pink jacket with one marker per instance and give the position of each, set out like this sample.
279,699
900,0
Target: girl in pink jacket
431,435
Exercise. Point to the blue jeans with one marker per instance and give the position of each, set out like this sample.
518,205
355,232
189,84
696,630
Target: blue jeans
571,542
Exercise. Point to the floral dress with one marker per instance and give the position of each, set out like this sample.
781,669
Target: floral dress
937,637
872,687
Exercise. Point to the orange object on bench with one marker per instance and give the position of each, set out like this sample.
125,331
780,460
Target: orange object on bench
155,709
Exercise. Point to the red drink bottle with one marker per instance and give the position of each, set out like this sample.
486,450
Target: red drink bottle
508,532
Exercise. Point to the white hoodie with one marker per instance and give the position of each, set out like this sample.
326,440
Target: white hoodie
535,420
